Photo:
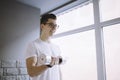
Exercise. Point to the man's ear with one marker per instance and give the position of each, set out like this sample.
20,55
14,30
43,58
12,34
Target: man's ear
41,26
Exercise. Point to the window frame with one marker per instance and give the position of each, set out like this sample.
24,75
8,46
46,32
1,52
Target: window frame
98,26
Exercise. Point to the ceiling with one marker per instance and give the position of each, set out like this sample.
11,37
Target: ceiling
54,6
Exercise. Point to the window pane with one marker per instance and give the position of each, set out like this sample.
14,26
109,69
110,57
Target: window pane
81,56
76,18
109,9
112,51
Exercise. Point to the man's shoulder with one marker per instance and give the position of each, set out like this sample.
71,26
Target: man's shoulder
33,42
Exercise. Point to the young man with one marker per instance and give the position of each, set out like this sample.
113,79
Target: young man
43,46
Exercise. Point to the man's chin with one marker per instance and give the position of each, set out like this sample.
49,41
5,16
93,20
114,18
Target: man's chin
51,34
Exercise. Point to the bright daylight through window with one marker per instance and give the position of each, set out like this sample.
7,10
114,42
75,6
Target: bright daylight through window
78,48
93,51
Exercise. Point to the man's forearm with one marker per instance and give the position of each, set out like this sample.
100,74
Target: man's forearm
37,70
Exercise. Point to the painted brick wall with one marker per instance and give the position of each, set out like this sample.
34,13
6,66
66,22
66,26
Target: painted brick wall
13,70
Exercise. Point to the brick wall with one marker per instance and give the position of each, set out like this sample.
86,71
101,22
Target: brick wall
13,70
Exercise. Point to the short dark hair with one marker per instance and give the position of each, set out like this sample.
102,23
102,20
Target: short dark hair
45,18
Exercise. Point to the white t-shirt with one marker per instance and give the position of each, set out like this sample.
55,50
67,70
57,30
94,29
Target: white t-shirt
38,47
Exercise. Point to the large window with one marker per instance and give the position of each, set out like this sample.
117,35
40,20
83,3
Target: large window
89,37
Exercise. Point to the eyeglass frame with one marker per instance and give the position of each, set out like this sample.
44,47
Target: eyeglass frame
53,25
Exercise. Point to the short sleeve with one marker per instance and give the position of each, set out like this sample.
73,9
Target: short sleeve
30,50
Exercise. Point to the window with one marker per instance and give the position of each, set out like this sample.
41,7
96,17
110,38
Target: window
88,44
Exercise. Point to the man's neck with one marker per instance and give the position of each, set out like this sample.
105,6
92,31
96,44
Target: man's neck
44,38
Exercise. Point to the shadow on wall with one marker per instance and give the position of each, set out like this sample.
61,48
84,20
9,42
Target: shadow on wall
19,24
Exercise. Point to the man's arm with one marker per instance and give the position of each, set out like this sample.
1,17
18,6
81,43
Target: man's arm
32,69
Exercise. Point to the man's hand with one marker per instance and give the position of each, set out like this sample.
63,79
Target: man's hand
53,62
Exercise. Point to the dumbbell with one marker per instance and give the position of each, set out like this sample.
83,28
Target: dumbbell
43,59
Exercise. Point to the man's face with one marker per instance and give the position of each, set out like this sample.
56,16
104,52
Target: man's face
49,27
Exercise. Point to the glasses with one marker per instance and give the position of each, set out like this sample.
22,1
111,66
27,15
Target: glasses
52,25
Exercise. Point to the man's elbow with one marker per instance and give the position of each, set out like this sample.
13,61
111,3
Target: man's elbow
31,74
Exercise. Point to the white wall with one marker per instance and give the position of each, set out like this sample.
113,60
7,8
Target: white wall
19,24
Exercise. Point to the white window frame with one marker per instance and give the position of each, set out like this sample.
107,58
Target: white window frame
98,26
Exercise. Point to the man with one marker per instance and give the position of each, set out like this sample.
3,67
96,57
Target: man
43,45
